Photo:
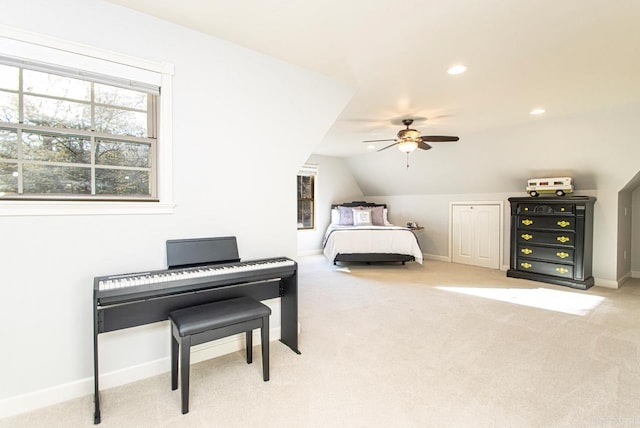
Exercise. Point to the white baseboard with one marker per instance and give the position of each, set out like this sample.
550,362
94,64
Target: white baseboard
624,279
635,274
60,393
607,283
448,259
436,257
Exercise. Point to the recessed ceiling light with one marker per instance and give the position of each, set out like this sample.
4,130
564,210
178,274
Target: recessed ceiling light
371,147
537,111
457,69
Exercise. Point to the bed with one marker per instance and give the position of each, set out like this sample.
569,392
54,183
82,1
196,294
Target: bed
360,232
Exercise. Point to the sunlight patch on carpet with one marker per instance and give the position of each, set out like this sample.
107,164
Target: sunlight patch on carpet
543,298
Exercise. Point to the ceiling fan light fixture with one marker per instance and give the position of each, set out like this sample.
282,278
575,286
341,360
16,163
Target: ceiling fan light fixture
407,146
412,134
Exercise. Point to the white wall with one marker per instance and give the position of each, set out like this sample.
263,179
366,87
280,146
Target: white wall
237,117
334,184
624,234
635,233
433,213
598,148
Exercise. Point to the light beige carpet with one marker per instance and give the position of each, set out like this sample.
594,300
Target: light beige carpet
433,345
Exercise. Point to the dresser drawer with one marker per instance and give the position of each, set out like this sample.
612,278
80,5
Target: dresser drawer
551,222
564,255
532,208
553,238
545,268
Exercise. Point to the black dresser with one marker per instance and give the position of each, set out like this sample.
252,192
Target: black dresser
552,240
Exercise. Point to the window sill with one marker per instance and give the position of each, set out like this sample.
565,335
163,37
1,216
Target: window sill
50,208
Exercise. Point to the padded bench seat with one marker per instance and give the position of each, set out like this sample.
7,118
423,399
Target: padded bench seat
204,323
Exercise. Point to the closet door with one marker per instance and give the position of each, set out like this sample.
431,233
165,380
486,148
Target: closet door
476,234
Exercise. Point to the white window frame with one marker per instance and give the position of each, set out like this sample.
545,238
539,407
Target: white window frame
162,72
309,170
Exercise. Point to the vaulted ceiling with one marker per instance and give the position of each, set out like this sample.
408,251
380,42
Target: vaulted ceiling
564,56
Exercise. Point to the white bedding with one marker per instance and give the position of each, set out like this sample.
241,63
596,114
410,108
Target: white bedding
370,239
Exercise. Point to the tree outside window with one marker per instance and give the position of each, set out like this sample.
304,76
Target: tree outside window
67,137
306,201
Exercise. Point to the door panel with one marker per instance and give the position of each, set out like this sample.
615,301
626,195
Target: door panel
476,235
463,235
466,225
483,230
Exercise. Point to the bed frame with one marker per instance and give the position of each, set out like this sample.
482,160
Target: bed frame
369,258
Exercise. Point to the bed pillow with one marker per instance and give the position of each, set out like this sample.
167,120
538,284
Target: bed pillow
335,216
385,218
346,216
361,217
377,216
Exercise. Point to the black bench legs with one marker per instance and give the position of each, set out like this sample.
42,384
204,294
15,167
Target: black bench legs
199,324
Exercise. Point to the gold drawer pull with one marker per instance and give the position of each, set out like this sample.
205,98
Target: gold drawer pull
526,265
562,255
526,251
563,223
526,236
562,270
527,222
563,239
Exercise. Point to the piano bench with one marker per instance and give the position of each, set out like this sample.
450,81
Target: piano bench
204,323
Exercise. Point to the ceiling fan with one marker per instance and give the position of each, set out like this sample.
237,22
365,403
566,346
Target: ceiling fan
410,139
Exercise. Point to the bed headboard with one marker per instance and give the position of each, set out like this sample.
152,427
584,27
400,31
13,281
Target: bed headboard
358,204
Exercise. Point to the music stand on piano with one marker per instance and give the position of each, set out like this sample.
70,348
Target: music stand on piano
183,253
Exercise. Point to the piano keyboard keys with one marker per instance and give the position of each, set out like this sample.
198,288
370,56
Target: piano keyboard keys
147,278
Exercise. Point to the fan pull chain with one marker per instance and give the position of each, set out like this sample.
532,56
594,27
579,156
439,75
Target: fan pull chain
407,160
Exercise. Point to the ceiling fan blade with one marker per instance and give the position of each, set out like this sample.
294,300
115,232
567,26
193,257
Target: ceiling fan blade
377,141
424,146
438,138
390,145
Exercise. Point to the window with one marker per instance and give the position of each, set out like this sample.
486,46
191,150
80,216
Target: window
306,196
78,162
66,134
305,201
